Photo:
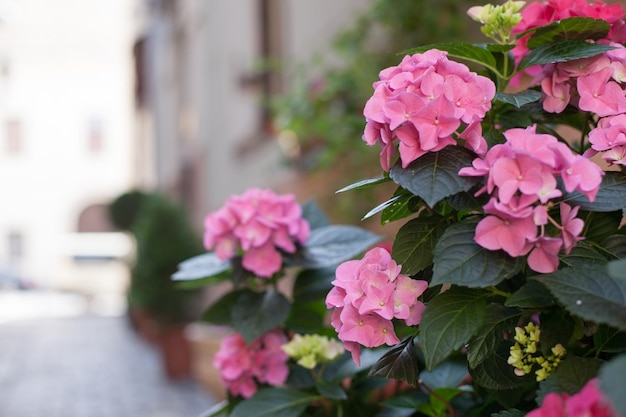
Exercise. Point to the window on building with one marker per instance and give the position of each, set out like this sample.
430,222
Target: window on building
13,136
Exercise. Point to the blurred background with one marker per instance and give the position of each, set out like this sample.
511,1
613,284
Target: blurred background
122,124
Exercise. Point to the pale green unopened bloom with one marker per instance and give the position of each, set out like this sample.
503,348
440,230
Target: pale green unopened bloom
524,354
498,21
311,349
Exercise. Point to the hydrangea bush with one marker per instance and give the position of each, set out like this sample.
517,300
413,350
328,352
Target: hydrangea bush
504,291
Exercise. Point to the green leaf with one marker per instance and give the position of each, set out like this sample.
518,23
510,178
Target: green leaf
465,202
218,409
473,53
435,175
509,413
617,269
561,51
608,339
598,226
313,284
615,245
582,255
494,373
447,374
370,182
314,215
414,243
383,206
329,390
612,383
611,197
570,376
406,402
403,207
556,327
256,313
590,293
459,260
307,317
575,28
449,321
330,245
399,363
533,294
439,400
220,312
499,319
274,402
193,284
201,266
519,99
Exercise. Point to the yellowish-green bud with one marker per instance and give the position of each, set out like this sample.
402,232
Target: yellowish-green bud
498,21
311,349
558,350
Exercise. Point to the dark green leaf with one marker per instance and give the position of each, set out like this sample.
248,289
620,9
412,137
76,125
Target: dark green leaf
615,246
608,339
414,244
399,363
330,245
218,409
256,313
598,226
439,401
329,390
582,255
314,215
495,373
201,266
562,51
220,312
612,383
533,294
499,319
447,374
611,197
434,176
193,284
459,260
556,327
307,317
345,366
449,321
575,28
472,53
493,47
590,293
408,402
274,402
364,184
617,269
384,206
465,201
404,207
570,376
519,99
509,413
313,284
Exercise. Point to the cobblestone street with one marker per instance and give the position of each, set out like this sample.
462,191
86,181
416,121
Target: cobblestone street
87,366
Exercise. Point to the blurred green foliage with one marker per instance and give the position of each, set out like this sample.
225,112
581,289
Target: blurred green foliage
163,237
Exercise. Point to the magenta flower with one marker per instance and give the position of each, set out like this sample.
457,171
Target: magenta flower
258,224
421,103
367,295
243,366
589,402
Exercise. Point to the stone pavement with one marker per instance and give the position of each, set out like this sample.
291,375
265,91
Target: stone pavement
87,366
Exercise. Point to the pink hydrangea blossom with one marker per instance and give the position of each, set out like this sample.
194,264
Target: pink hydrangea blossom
521,176
420,104
260,224
609,139
588,402
242,367
367,295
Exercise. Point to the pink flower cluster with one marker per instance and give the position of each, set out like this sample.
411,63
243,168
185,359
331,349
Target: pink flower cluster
543,13
367,295
589,402
242,367
259,223
521,177
422,102
609,139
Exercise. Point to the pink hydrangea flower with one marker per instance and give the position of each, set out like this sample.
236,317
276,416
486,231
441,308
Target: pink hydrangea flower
589,402
259,223
521,176
609,139
420,104
242,367
367,295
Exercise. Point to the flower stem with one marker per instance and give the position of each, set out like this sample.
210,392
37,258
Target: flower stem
496,291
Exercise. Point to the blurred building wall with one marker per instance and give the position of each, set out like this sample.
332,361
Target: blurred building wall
65,132
205,69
